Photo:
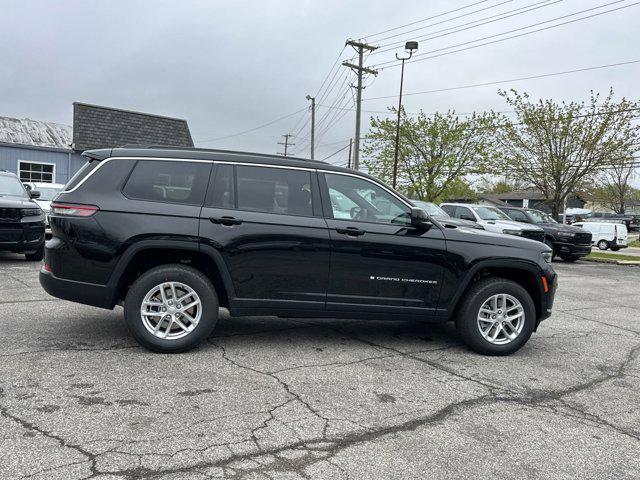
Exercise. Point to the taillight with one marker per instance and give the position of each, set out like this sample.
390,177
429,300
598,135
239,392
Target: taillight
69,210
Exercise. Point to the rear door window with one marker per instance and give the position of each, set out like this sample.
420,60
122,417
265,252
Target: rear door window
168,181
274,190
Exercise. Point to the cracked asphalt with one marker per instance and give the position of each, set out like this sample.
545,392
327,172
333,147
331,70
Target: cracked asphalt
269,398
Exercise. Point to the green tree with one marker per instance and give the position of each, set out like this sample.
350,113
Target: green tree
613,189
558,147
435,154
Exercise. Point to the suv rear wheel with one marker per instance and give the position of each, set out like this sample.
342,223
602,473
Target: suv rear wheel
496,317
171,308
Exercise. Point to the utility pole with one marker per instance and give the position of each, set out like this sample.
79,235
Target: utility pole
313,124
359,69
286,144
350,147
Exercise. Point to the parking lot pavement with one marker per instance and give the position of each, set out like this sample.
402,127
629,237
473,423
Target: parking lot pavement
269,398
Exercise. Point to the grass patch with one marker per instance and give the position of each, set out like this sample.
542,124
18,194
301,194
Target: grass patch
634,243
612,256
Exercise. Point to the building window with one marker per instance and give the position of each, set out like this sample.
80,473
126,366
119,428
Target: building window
36,172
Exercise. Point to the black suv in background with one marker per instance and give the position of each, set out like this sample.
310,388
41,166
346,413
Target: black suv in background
175,233
568,242
21,219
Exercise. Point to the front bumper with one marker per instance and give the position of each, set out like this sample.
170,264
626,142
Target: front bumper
20,237
549,296
565,248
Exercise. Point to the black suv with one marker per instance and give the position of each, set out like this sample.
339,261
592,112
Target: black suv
172,234
568,242
21,219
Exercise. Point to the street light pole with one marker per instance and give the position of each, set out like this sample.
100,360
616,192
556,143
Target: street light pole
313,124
409,47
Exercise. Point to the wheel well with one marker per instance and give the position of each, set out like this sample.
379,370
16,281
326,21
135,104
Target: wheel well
524,278
147,259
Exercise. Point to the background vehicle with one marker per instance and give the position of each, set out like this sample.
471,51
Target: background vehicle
493,220
606,235
175,233
21,219
569,242
443,217
48,191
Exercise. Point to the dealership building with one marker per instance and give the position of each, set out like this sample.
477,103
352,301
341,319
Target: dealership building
50,152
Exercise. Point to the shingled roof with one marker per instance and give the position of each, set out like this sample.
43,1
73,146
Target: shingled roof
103,127
24,131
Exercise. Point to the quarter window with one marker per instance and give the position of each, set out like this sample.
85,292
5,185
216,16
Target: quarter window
36,172
274,190
168,181
354,198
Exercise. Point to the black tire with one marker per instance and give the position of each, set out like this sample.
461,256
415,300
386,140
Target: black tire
615,249
171,273
549,244
603,245
467,323
36,256
569,258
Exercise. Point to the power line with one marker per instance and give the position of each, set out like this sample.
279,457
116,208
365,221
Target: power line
496,82
336,152
469,26
424,19
427,56
255,128
444,21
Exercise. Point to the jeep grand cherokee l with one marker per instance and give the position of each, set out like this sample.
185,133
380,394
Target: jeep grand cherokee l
21,219
172,234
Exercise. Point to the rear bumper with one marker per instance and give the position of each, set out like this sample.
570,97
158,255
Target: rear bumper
80,292
562,248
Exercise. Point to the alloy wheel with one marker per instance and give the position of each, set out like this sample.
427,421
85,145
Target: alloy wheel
501,319
171,310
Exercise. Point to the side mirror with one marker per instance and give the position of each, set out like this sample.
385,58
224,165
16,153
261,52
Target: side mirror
34,194
419,219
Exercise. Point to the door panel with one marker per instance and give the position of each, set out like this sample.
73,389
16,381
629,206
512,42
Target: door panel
378,265
275,260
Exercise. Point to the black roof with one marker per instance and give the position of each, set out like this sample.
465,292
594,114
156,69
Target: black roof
104,127
207,154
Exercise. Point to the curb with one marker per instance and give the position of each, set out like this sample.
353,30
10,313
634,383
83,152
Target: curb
612,261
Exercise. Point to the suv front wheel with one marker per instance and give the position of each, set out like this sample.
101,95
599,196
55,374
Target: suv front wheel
496,317
171,308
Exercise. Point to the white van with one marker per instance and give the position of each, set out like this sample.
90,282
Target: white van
606,235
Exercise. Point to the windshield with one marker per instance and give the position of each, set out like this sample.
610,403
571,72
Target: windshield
540,217
490,213
431,208
47,193
11,186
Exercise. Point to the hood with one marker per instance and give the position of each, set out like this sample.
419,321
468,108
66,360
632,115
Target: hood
559,227
44,205
16,202
511,225
458,222
490,238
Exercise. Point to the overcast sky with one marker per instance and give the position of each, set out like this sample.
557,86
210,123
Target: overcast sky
228,67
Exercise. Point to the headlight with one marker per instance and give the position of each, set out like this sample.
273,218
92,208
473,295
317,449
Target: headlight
30,212
547,256
512,232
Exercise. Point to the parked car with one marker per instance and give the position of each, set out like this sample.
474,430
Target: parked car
606,235
172,234
629,221
21,219
443,217
48,191
493,220
567,241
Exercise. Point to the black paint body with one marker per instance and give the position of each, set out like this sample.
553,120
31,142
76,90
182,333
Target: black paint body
272,264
